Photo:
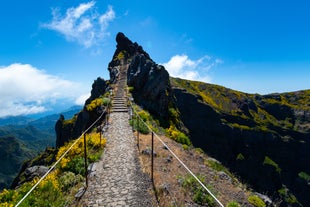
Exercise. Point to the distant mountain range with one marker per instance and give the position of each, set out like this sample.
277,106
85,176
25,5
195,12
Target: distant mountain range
22,138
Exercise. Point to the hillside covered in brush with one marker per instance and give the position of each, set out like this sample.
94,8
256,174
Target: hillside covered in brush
264,139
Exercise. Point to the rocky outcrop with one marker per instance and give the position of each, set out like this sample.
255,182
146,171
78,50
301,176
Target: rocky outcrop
35,167
67,130
150,82
151,85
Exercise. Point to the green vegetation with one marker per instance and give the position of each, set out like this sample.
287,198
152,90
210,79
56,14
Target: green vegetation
256,201
264,110
185,146
269,161
198,193
130,89
233,204
101,101
59,187
240,157
239,126
177,135
121,55
140,120
288,197
199,150
305,176
216,165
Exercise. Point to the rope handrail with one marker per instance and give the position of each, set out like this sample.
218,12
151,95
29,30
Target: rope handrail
180,161
54,165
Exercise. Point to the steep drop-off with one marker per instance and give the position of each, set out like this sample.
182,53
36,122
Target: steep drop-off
263,139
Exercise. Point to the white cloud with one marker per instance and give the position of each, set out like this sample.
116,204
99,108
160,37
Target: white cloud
25,89
82,24
183,67
81,99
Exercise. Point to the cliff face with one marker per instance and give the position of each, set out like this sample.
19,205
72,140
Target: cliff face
67,130
150,82
264,139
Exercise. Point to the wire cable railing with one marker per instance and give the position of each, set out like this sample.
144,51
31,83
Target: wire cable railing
61,157
173,154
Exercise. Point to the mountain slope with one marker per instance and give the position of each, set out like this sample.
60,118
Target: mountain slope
24,140
13,152
264,139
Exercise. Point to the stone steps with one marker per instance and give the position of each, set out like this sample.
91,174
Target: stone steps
119,102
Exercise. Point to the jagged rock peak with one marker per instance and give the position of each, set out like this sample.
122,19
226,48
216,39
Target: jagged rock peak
150,81
125,44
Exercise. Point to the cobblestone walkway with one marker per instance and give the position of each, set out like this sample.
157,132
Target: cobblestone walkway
117,180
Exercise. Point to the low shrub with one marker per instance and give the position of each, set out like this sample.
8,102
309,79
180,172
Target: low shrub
198,193
54,190
177,135
233,204
305,176
69,179
240,157
185,146
269,161
256,201
139,126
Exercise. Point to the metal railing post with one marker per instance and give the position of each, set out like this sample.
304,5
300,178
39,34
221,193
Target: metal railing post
138,124
85,160
152,160
100,131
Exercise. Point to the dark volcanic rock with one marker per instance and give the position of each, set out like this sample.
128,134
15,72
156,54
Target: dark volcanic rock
150,81
208,131
99,88
68,130
151,85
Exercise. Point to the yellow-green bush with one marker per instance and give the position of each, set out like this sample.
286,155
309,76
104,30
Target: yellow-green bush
74,159
177,135
145,116
256,201
121,55
269,161
47,193
94,104
54,190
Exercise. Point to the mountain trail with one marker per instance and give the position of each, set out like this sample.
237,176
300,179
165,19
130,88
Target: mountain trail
117,179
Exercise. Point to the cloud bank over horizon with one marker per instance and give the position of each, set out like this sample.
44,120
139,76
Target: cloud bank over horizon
26,90
82,24
182,66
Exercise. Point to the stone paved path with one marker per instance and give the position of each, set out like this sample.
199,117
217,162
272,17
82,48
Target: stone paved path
117,179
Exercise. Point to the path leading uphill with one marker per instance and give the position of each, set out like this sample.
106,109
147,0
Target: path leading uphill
117,179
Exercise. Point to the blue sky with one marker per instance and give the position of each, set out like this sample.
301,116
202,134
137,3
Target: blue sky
52,50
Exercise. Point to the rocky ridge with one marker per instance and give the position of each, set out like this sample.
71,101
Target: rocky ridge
263,139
